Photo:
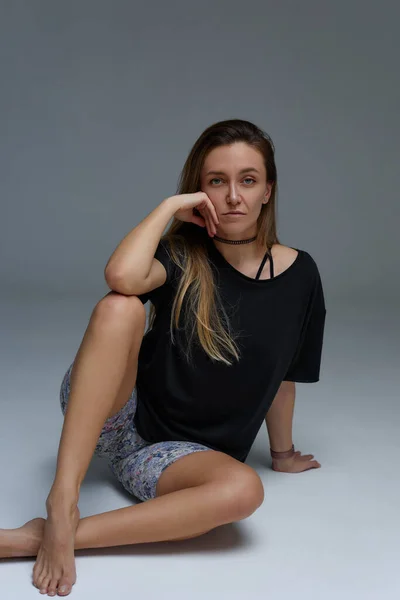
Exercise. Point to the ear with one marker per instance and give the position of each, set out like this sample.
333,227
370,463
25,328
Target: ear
268,192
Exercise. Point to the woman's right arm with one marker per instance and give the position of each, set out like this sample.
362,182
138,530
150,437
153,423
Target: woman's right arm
132,268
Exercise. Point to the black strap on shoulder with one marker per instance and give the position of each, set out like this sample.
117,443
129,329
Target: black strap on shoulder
268,254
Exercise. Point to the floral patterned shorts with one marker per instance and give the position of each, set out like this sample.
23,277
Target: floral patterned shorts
136,463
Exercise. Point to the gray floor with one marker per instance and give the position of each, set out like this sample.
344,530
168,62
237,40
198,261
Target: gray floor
323,534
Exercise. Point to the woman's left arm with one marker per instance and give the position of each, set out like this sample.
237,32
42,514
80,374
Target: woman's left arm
279,421
279,417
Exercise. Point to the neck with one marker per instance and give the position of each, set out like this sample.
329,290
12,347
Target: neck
235,242
238,252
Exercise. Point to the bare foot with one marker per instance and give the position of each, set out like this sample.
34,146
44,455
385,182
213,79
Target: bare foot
23,541
54,571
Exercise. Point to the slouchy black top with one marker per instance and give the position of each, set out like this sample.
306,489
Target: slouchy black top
278,325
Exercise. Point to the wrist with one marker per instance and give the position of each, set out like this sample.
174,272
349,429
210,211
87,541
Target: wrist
282,454
173,203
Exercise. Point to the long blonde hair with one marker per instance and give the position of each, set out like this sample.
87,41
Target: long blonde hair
187,244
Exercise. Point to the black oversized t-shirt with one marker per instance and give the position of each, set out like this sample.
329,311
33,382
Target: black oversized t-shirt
279,327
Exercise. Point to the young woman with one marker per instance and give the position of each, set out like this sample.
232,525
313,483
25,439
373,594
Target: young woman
236,318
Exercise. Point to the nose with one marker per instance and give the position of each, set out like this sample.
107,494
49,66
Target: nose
233,194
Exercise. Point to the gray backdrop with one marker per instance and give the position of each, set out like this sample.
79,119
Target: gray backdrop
100,103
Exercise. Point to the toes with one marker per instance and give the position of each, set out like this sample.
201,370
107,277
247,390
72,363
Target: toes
40,579
44,578
65,586
64,590
52,589
44,585
37,569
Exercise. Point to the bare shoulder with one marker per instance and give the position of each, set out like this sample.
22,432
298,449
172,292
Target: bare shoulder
283,257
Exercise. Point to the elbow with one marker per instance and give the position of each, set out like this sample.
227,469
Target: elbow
116,283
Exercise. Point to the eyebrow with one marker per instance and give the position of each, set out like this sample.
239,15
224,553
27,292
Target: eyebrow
240,172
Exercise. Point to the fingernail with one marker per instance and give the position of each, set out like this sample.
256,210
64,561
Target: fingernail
62,589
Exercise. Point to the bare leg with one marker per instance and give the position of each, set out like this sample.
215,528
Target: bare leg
228,491
103,377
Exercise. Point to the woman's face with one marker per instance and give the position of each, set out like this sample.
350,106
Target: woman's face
234,178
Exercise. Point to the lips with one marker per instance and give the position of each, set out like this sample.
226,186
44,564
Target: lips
234,213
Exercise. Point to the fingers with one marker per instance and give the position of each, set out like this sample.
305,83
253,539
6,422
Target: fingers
296,464
206,216
210,216
210,226
213,213
312,464
300,468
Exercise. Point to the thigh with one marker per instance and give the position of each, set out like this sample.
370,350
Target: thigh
140,472
195,470
118,437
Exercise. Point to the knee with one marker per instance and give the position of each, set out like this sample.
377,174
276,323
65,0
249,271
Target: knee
118,306
243,495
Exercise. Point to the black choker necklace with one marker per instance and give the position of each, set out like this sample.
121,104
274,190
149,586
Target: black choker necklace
235,241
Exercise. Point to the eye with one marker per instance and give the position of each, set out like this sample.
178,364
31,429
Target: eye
219,179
